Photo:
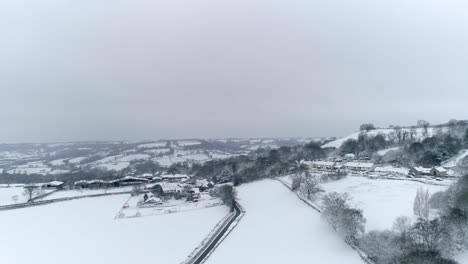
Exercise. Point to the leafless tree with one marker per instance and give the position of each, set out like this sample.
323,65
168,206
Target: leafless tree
310,187
421,205
15,198
30,192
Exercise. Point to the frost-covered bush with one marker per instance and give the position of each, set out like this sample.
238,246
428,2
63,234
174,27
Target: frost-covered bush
347,221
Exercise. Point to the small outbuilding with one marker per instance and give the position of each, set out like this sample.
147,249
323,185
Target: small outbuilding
420,171
439,172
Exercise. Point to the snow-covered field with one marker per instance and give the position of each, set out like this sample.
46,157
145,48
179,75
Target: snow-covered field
454,161
6,195
85,231
76,160
153,145
382,200
278,228
185,143
419,134
84,192
462,258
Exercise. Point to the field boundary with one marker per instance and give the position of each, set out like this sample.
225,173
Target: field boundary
45,202
216,236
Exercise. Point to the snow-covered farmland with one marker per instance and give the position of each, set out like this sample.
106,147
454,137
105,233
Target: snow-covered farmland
419,134
279,228
76,160
85,231
382,200
6,195
58,162
185,143
84,192
153,145
462,258
454,161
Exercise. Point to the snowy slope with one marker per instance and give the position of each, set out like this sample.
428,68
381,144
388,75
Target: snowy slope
381,200
462,258
84,231
419,135
454,161
278,228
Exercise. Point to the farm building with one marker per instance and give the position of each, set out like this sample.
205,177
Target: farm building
167,189
323,165
439,171
420,171
130,180
360,166
53,185
175,177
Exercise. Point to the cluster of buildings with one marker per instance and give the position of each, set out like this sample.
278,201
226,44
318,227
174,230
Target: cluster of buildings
338,166
365,166
156,187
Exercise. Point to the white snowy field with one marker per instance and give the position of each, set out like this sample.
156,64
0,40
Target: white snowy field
85,231
6,195
382,200
84,192
279,228
419,134
454,161
462,258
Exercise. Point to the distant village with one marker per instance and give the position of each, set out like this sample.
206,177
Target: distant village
348,163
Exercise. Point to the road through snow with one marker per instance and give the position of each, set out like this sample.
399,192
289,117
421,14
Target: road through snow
279,228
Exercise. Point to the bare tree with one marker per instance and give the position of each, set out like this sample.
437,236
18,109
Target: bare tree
15,198
421,205
30,192
227,194
296,182
425,125
310,187
137,190
367,127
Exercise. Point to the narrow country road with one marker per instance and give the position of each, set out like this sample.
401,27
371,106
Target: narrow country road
201,258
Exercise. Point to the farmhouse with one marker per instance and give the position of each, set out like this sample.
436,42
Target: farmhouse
53,185
167,189
323,165
130,180
439,171
392,170
420,171
174,177
193,194
360,166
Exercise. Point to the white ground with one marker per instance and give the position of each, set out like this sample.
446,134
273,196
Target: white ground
385,151
153,145
381,200
83,192
85,231
167,207
462,258
185,143
7,193
76,160
419,135
279,228
454,161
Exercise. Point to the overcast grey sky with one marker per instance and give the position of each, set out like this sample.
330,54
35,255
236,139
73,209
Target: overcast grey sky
148,69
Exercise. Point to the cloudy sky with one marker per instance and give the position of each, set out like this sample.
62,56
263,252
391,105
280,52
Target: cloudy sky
149,69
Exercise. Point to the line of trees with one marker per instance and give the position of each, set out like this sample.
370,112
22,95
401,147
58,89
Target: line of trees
349,222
